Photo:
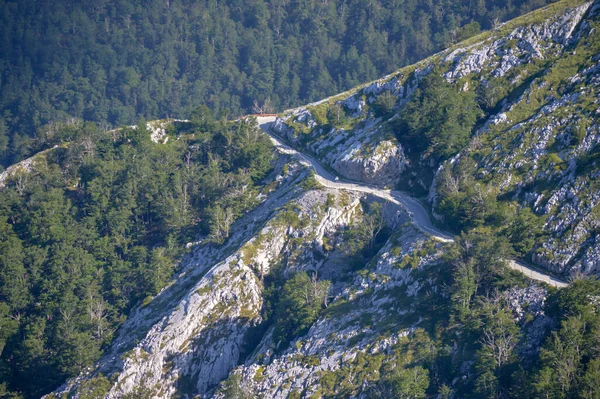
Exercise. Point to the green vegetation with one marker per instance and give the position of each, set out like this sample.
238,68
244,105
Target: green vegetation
409,383
117,61
471,343
299,303
483,329
99,224
491,183
401,372
473,340
384,104
477,258
362,240
569,361
231,388
467,203
438,119
95,388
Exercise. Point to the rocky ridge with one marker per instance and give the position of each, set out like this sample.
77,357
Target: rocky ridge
547,120
195,332
189,337
369,317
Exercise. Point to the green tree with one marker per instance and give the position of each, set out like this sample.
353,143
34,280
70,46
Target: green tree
220,223
384,104
8,325
478,257
469,30
499,337
404,383
464,287
561,359
574,300
336,114
438,119
524,230
361,238
4,139
14,287
590,381
300,302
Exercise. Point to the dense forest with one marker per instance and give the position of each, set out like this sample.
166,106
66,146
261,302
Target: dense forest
99,225
98,228
115,61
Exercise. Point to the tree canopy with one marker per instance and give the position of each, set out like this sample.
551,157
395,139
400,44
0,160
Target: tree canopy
97,227
116,61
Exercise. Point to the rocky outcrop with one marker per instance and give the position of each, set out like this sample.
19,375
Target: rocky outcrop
527,305
339,339
365,150
380,165
195,345
192,334
518,47
20,169
359,155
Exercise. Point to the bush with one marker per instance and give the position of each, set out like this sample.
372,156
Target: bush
384,104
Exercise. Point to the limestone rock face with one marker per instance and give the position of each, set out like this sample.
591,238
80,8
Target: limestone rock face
534,154
380,165
529,302
334,343
200,339
357,155
532,41
194,332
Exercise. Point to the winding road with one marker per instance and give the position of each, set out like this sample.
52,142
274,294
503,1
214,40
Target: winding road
416,211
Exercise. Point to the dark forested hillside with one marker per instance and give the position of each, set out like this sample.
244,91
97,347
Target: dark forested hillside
114,61
98,226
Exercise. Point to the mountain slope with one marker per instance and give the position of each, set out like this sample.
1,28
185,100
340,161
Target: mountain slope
321,292
418,214
537,88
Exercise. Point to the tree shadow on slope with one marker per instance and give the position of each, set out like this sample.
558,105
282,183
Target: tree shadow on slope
211,354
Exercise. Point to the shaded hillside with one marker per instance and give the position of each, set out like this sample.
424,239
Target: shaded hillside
115,62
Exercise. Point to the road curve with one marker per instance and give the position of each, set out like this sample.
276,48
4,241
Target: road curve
416,211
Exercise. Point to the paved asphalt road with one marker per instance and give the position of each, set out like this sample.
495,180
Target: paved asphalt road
417,212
